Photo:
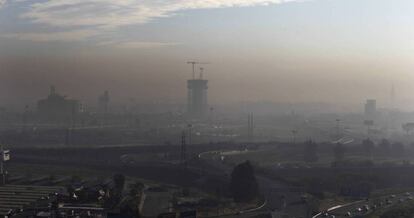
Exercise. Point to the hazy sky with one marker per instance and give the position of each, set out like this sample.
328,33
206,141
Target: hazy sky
337,51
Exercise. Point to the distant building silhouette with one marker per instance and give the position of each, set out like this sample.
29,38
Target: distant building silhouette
250,127
57,107
103,102
370,109
197,97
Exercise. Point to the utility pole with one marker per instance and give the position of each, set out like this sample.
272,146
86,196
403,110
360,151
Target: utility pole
211,123
337,128
250,127
190,133
24,118
72,125
183,158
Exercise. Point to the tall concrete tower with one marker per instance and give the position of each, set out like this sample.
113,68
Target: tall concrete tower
197,97
370,109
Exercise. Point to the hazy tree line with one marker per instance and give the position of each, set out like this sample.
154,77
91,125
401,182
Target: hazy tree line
368,149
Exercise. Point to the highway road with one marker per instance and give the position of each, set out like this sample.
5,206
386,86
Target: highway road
365,207
278,196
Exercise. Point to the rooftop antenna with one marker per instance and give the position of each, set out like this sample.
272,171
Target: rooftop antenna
194,63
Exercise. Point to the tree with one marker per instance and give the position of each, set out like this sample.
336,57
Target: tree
243,184
130,210
119,180
339,152
310,151
135,189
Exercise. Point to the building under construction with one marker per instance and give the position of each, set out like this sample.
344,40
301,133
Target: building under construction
197,105
197,97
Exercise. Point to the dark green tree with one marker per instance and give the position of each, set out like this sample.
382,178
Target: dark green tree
135,189
119,181
243,184
130,210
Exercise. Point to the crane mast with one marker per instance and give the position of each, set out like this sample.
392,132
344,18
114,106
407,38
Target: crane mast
193,64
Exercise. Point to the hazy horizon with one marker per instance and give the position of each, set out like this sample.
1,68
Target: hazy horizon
334,51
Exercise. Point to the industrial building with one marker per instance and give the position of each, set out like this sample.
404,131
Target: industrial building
57,108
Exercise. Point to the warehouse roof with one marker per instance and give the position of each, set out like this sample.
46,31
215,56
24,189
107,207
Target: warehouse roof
15,198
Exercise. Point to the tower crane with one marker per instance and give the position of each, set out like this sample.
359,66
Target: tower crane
194,63
201,72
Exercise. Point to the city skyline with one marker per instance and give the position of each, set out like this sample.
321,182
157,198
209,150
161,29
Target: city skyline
276,51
